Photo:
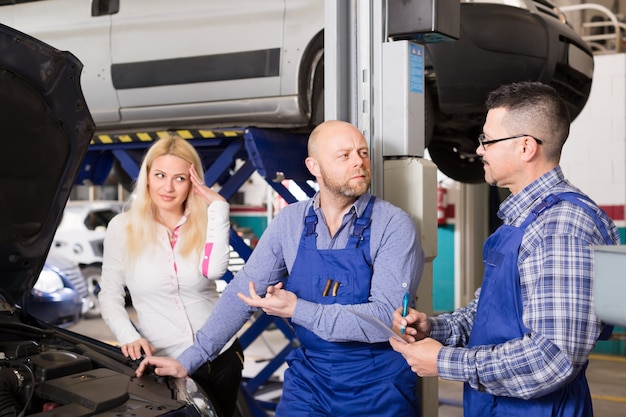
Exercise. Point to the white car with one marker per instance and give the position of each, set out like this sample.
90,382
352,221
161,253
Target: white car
157,64
164,64
80,237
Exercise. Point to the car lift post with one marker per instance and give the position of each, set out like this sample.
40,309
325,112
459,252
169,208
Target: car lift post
374,78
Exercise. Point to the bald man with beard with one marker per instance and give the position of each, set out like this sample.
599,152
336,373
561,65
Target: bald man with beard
318,262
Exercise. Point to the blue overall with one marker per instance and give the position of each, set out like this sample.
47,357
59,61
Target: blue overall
499,319
348,378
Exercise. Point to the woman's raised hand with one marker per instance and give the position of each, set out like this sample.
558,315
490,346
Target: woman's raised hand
199,187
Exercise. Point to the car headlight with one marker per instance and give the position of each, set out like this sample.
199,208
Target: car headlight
48,282
191,393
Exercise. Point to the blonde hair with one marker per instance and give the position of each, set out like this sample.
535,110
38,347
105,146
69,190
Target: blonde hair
142,227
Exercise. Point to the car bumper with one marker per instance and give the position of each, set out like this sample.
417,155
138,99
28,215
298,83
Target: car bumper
62,308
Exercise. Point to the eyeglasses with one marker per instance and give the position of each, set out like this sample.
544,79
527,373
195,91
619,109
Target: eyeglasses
483,142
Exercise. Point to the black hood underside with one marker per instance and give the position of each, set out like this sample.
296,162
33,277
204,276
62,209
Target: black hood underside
45,130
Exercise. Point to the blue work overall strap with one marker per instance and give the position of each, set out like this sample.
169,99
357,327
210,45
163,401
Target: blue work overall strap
310,222
574,198
361,225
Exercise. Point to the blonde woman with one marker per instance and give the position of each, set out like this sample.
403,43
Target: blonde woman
168,249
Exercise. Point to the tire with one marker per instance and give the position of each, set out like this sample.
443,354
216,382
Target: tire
317,96
92,274
457,158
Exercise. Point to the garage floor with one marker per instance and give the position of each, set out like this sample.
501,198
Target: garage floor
606,373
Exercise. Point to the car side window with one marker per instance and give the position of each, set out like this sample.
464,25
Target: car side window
104,7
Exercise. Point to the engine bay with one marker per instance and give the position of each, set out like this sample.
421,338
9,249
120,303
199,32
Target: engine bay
52,372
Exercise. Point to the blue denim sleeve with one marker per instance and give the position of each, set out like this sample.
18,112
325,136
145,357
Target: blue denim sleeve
266,266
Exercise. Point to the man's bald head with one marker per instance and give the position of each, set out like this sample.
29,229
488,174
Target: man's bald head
325,131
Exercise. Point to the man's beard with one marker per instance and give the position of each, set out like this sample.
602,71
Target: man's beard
348,189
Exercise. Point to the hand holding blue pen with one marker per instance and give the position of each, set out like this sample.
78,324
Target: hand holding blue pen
405,309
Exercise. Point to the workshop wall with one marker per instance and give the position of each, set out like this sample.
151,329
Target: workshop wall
594,156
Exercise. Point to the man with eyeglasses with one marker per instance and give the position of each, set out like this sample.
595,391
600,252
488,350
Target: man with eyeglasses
521,346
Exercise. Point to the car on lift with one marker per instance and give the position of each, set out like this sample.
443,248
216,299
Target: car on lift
501,41
47,370
80,237
198,64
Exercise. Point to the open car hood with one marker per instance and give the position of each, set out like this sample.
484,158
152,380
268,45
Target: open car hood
45,130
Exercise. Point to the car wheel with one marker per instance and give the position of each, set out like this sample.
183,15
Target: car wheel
457,159
317,97
92,274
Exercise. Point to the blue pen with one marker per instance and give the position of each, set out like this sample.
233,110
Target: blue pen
405,309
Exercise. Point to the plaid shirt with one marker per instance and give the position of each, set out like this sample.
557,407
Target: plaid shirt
556,270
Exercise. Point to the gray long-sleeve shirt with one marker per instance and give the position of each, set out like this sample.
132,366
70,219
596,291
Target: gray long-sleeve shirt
398,262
